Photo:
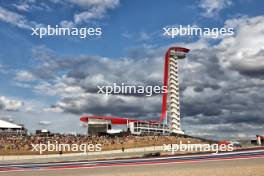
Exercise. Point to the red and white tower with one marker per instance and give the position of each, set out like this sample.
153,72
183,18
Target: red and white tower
171,100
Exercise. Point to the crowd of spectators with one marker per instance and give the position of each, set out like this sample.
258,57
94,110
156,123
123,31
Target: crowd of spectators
24,142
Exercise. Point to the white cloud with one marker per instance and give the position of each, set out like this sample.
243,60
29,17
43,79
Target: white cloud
4,69
94,13
28,109
96,9
89,10
144,35
29,5
22,7
24,76
244,51
53,109
60,87
13,18
127,35
16,19
8,104
45,123
66,24
213,7
45,88
89,3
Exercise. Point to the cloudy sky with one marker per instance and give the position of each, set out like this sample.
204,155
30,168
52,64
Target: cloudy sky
50,82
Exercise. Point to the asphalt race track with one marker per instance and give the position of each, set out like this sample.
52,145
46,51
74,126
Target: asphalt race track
138,165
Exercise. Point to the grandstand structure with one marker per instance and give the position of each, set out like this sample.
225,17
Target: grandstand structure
169,121
7,127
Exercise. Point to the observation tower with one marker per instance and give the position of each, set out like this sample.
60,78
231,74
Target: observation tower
171,100
169,121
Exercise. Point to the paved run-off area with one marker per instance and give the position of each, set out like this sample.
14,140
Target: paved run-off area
237,167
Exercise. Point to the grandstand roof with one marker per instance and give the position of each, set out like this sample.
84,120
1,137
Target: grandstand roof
5,124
